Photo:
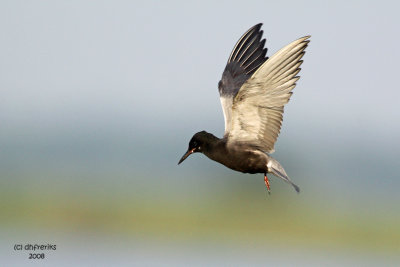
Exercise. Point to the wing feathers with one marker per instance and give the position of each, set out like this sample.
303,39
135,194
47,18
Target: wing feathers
251,46
240,43
257,109
287,75
246,57
255,54
286,69
300,43
288,61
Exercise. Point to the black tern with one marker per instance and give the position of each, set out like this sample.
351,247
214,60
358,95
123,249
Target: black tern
253,92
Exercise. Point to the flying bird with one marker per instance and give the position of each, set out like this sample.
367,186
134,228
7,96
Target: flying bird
253,92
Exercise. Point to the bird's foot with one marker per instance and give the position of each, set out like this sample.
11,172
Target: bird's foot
267,183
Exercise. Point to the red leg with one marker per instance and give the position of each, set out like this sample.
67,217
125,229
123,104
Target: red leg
267,182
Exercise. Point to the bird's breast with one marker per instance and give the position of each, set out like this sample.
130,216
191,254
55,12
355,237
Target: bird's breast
241,159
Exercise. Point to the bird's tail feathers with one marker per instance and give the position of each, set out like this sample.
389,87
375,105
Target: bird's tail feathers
276,169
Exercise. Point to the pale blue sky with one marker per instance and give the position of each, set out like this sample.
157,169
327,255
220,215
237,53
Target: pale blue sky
79,61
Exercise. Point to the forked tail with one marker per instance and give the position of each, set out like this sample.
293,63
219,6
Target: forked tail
276,169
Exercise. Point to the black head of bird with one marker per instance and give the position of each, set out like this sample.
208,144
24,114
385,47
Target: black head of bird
200,142
253,92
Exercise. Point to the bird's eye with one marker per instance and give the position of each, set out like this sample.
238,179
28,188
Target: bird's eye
195,144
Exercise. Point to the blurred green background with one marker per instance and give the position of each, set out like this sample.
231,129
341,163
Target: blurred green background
98,101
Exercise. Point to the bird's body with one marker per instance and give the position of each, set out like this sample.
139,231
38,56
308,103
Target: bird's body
241,158
253,91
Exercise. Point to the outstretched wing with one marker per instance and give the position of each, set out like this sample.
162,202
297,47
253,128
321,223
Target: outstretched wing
258,106
246,57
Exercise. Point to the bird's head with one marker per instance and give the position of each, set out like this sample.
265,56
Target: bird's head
198,143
